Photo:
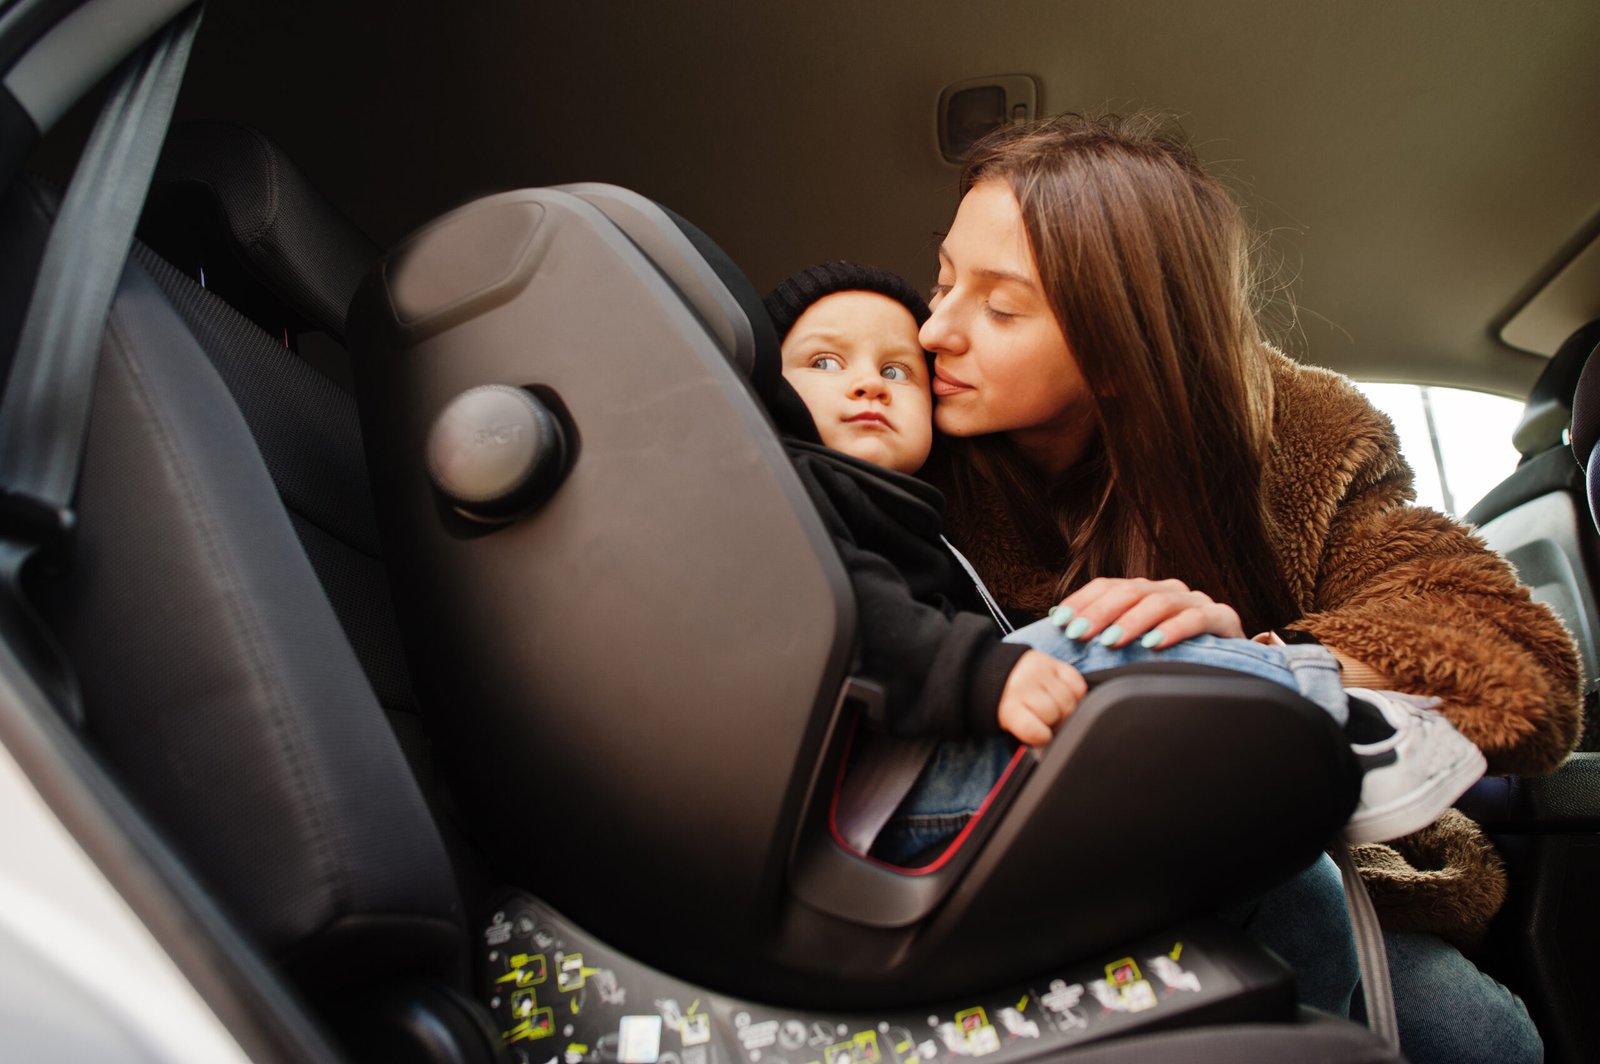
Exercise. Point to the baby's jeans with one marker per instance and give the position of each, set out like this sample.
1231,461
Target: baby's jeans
961,774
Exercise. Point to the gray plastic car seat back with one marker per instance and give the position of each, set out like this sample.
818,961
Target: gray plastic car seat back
570,678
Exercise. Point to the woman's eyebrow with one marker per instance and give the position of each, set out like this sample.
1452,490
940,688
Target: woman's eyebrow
991,273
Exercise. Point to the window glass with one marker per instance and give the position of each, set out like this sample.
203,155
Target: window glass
1458,441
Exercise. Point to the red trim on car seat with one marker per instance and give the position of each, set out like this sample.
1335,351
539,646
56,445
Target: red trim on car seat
955,843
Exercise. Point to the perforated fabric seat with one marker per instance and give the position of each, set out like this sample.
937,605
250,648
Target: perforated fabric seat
229,206
224,190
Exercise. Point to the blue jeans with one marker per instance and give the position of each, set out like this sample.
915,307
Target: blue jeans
961,774
1449,1012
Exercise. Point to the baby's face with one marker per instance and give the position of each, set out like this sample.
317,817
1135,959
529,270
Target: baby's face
855,359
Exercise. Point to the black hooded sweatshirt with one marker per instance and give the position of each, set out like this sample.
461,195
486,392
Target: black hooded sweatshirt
923,632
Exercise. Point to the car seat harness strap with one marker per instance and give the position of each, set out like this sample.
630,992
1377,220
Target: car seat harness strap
1371,955
977,581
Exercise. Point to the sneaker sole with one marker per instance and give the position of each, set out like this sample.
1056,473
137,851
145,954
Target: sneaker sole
1418,809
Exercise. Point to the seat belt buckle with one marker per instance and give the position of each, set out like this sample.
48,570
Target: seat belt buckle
27,519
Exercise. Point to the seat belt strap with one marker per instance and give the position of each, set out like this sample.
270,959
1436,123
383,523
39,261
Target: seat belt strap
1371,955
44,414
995,611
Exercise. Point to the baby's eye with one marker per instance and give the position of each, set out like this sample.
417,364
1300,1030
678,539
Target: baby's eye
896,373
827,363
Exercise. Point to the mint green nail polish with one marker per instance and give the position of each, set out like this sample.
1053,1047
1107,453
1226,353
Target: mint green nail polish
1151,638
1060,616
1111,635
1076,629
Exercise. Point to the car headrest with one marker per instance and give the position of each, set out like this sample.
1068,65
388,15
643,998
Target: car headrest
782,402
226,199
715,290
1550,401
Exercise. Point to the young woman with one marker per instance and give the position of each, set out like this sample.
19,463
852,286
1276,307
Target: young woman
1117,432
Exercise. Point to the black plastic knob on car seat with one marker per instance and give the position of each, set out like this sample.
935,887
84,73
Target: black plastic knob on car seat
495,451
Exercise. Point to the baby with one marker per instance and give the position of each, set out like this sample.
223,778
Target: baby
928,629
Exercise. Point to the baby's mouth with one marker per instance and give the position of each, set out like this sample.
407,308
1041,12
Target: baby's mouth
870,417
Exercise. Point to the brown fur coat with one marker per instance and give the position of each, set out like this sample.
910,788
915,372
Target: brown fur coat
1406,590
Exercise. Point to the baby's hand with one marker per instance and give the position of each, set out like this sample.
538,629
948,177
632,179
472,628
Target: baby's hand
1039,695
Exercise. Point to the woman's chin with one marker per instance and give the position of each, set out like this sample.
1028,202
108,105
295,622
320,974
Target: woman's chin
955,425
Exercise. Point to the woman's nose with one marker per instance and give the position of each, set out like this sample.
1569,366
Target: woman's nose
940,333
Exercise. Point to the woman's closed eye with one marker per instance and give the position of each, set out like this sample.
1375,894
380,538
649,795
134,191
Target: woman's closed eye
997,314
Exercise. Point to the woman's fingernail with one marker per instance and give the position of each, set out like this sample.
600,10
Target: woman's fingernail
1060,616
1111,635
1151,639
1076,629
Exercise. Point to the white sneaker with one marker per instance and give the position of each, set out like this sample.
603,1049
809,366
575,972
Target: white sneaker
1412,776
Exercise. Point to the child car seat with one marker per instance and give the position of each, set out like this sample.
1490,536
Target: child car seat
1244,987
634,639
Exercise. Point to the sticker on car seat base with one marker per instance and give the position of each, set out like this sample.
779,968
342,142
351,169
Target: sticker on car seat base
639,1040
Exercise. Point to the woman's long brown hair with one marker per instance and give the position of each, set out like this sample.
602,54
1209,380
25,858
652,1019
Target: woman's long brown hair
1145,262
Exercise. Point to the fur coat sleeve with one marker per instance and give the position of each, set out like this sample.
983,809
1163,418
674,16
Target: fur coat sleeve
1406,590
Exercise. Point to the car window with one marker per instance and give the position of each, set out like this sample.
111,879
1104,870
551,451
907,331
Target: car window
1457,440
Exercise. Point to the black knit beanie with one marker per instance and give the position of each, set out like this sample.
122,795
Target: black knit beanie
790,299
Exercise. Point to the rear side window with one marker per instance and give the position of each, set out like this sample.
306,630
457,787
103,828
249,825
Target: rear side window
1458,441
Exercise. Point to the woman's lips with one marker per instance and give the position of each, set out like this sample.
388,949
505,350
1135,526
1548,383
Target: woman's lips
945,384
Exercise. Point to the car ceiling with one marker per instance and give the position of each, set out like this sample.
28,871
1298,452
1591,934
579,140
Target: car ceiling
1419,168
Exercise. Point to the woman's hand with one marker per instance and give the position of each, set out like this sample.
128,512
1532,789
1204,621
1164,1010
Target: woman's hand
1039,695
1157,613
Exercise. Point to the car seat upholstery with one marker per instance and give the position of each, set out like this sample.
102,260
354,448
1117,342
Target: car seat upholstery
216,682
279,266
226,191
